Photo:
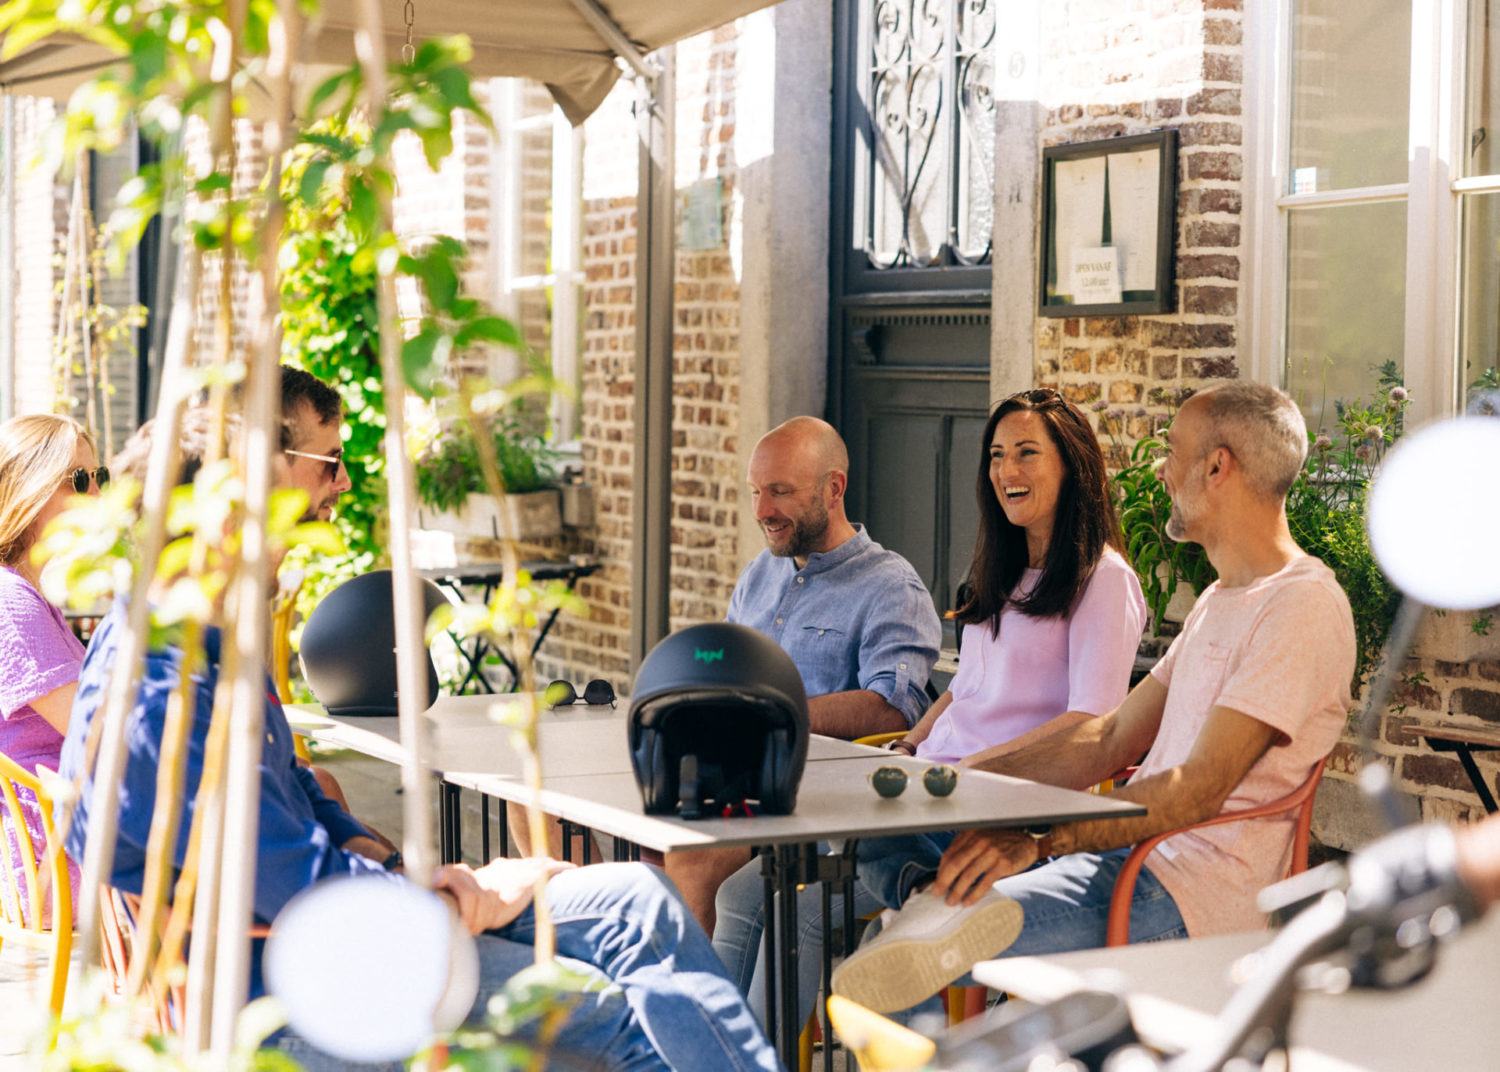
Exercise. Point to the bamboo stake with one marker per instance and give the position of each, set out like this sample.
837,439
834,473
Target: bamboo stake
251,604
85,304
109,767
520,649
171,777
411,667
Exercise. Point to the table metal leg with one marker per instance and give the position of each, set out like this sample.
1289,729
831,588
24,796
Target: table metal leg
484,828
1466,757
768,944
450,816
787,936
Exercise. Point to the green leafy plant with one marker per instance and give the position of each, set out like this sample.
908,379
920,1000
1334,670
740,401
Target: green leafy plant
1162,563
448,463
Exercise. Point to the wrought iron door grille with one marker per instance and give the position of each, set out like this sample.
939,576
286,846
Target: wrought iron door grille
925,154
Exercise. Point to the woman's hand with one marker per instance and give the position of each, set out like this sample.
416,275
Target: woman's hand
497,893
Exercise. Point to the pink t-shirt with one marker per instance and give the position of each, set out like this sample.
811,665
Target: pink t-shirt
1280,650
1037,668
38,653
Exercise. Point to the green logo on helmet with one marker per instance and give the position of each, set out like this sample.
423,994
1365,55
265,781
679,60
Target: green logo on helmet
708,656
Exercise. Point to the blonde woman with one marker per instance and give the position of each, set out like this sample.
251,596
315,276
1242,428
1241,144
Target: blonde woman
44,462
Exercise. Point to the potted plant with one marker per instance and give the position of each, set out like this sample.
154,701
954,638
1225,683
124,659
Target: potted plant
451,486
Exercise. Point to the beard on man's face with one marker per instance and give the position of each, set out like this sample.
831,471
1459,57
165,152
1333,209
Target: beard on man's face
806,535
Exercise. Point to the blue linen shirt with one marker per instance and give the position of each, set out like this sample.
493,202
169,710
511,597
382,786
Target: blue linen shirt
300,829
855,617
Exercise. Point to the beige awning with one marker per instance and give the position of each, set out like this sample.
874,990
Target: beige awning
550,41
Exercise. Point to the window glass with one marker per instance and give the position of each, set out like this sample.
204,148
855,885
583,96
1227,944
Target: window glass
1479,311
1351,86
1481,155
925,161
1346,295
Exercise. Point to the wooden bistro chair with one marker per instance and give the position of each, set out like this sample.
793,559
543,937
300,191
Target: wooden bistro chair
1299,800
24,915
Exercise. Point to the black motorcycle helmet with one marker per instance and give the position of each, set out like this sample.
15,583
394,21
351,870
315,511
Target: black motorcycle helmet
349,646
718,716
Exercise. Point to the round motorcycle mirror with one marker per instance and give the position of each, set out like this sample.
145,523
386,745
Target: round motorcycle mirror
1434,511
369,968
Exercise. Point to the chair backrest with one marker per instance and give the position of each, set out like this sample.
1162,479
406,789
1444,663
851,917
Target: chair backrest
1299,800
36,892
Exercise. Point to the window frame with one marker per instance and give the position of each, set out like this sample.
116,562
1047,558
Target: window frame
1433,194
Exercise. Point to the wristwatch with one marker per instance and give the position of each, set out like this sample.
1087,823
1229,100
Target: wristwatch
1041,833
393,861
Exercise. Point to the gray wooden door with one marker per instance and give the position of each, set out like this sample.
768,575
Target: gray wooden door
913,200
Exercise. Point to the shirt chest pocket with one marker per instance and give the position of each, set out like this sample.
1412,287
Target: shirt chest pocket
1199,680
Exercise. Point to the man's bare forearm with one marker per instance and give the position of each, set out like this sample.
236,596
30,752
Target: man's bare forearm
851,714
1074,756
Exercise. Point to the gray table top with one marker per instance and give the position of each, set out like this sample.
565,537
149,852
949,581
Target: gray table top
587,778
1446,1021
835,801
470,736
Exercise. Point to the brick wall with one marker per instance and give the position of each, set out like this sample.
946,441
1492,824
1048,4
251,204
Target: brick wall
705,425
1110,71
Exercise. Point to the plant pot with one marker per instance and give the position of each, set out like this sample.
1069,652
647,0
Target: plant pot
534,515
1451,637
578,505
1182,600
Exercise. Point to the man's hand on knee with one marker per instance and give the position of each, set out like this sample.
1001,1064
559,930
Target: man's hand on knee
494,895
978,859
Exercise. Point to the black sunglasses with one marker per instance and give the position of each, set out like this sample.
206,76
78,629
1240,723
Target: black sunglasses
596,693
79,478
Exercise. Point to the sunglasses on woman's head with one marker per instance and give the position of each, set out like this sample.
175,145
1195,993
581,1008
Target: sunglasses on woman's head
1037,396
596,693
79,478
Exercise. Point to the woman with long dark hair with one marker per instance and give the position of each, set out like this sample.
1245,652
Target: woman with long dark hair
1051,623
1054,612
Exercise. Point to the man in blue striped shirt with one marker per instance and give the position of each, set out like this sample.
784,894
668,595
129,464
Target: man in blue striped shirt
855,617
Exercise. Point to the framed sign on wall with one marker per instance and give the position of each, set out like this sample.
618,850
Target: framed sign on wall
1108,214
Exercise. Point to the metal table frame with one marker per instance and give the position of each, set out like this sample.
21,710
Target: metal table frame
600,794
488,575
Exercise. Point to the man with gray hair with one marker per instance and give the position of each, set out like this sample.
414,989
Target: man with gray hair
1249,698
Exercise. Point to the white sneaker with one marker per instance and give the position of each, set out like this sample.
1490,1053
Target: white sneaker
924,948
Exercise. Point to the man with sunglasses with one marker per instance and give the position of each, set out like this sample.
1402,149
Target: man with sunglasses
312,442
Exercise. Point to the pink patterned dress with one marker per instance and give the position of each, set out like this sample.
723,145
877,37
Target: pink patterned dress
38,653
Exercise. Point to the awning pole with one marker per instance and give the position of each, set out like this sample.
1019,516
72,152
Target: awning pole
8,256
605,25
651,503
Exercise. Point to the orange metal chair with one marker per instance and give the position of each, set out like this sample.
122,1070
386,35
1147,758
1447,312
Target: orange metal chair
1299,800
159,1012
24,914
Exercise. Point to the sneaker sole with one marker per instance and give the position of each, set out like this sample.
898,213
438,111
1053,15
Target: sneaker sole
896,975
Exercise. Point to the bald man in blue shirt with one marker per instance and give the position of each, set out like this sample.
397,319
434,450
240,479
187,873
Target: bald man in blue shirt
855,618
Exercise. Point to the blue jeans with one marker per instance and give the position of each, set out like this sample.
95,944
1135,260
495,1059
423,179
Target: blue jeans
888,869
1066,902
667,1004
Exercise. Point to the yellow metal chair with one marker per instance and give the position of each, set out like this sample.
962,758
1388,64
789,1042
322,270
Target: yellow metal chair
283,609
24,912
